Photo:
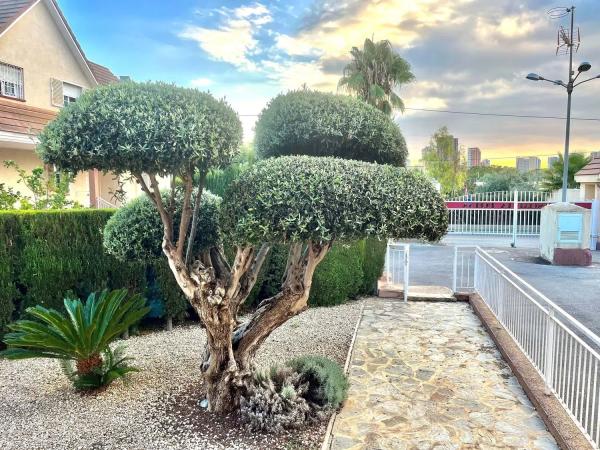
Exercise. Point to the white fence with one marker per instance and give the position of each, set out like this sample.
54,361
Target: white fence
563,351
397,265
497,213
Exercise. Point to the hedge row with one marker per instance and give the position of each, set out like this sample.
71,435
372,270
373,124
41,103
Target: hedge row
47,254
348,270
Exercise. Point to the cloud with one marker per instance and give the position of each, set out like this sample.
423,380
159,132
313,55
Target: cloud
234,40
201,82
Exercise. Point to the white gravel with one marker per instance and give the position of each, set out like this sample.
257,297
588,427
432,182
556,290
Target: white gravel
40,410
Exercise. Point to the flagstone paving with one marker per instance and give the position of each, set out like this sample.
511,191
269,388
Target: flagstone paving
427,376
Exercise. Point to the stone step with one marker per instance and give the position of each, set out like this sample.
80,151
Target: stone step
417,293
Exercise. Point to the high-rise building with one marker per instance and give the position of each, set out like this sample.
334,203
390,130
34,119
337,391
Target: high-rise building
455,142
595,154
552,160
528,163
473,157
486,163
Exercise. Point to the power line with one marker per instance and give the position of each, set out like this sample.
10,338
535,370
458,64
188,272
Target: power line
521,116
475,113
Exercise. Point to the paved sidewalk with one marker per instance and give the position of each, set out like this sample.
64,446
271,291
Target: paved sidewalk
427,376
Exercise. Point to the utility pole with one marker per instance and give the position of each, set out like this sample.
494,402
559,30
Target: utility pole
565,183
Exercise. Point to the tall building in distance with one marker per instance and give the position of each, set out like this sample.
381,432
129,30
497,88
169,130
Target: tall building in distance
455,142
552,160
473,157
595,154
528,163
486,163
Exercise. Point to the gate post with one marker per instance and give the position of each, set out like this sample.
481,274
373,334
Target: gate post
406,270
455,274
515,219
595,228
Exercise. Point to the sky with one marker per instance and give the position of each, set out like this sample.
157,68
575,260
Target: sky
467,55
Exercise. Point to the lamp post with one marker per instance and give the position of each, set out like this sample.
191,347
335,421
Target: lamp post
569,86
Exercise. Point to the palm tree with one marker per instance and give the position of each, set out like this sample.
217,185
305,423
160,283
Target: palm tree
553,175
374,73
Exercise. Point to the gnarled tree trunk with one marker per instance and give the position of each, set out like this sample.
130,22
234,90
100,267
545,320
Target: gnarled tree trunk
217,290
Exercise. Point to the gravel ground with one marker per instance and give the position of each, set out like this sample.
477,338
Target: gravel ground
155,408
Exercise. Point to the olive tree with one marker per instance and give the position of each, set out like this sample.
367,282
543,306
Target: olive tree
315,123
151,130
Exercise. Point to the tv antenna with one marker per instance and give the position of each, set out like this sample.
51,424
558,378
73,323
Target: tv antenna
567,40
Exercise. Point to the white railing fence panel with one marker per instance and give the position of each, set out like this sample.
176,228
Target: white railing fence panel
563,351
397,265
463,279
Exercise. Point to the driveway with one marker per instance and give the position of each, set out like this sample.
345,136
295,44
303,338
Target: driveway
575,289
427,375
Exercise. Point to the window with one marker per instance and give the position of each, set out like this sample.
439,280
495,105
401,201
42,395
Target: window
11,81
70,93
63,93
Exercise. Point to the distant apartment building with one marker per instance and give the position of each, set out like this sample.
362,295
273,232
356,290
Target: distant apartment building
473,157
486,163
552,160
595,154
528,163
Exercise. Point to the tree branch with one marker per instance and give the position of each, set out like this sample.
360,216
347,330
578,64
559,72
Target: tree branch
186,212
154,194
248,280
190,245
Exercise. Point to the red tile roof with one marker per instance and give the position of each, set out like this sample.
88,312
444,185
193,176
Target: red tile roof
10,10
102,74
593,168
17,117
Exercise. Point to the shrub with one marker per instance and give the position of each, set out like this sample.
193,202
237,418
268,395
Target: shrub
327,383
339,277
372,252
318,124
135,231
300,198
81,338
175,304
275,401
57,252
142,127
47,255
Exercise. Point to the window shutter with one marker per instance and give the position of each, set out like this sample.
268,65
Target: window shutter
56,92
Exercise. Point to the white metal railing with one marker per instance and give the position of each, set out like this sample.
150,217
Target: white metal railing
563,350
397,265
463,279
101,203
504,196
515,213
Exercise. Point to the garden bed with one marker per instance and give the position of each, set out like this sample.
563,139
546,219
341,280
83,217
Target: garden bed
157,407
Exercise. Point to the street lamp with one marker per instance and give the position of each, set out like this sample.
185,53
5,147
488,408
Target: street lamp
569,86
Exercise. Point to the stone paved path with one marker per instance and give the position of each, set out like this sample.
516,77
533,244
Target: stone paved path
427,376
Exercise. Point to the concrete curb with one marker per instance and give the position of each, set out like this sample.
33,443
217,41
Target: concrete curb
327,439
562,427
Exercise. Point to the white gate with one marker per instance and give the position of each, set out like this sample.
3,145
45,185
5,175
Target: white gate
397,264
513,214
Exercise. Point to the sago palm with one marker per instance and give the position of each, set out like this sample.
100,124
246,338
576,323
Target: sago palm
373,74
81,338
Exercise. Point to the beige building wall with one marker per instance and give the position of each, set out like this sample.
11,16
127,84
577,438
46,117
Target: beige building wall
36,44
47,56
28,160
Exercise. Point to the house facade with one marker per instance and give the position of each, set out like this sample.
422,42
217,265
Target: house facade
42,69
589,180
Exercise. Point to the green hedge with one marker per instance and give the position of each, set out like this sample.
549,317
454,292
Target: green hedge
348,270
47,254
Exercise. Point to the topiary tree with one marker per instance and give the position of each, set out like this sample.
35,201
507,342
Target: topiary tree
314,123
155,129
